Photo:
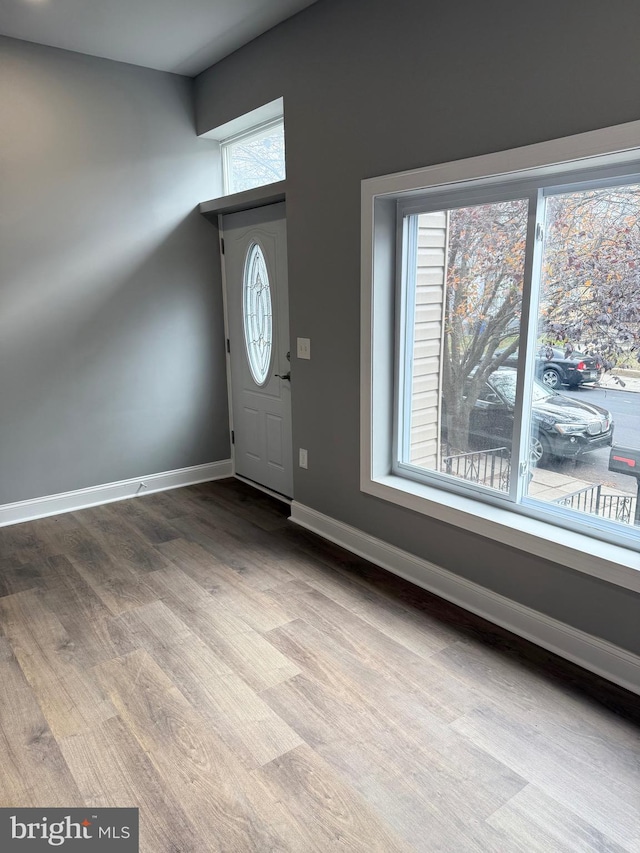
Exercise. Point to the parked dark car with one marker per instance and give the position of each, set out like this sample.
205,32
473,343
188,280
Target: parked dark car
554,368
561,426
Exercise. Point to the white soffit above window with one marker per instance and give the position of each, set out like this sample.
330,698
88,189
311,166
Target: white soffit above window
261,115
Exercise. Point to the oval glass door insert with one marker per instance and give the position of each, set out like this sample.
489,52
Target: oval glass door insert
257,313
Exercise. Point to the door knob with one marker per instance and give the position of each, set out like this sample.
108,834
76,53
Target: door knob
286,376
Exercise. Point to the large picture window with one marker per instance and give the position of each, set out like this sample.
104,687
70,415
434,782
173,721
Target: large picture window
509,307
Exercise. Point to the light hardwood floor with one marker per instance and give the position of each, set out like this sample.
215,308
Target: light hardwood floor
252,688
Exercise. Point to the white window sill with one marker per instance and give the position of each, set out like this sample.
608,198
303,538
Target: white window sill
612,563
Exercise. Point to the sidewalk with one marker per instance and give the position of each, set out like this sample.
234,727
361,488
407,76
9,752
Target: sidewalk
549,485
621,381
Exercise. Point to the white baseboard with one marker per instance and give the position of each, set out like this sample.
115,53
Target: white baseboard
15,513
592,653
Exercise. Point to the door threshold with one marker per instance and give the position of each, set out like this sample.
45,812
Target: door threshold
264,489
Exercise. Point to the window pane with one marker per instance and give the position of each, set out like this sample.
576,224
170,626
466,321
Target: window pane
589,312
255,160
257,314
462,310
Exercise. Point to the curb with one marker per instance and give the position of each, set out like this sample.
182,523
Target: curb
626,383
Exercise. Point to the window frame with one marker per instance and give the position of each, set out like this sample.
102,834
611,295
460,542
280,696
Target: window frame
608,154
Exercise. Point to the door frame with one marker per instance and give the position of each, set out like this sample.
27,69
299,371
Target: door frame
222,212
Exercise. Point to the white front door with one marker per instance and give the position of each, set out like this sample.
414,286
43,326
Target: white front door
255,263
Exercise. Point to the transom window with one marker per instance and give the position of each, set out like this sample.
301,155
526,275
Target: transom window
510,309
254,158
250,149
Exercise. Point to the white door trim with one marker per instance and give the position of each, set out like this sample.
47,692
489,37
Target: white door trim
227,354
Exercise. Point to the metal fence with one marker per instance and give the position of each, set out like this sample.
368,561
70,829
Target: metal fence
492,468
488,467
591,500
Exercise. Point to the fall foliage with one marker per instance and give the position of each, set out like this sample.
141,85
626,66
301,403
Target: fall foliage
591,271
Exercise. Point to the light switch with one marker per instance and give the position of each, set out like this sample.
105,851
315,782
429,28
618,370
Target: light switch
303,458
304,348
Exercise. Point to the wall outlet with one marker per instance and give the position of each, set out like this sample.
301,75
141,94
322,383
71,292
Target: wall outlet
304,348
302,458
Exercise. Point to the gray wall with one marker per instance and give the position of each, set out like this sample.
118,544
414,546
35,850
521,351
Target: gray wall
372,87
111,332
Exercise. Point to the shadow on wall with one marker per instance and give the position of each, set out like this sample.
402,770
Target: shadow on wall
113,360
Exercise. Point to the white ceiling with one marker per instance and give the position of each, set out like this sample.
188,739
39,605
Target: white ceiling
183,36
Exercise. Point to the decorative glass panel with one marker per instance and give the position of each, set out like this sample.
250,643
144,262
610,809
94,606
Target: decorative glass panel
257,314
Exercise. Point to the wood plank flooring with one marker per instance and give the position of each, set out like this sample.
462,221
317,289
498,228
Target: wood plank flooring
252,688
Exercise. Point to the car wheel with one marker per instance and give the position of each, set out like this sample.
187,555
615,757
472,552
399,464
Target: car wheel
551,378
539,452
